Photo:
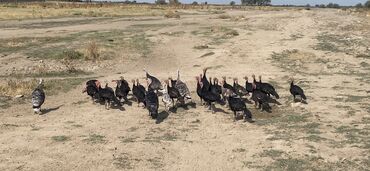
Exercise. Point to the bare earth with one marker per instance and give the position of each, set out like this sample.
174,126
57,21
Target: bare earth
326,51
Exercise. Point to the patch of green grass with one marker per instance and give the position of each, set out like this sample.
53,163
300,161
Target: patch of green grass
271,153
239,150
123,162
315,138
95,139
141,44
80,102
77,125
217,35
354,98
293,60
364,55
309,162
152,27
9,125
60,138
54,87
128,139
164,137
48,74
156,162
311,128
337,43
4,102
132,129
354,136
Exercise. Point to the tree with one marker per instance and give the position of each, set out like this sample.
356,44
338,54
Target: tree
232,3
174,2
256,2
367,4
359,5
332,5
195,3
160,2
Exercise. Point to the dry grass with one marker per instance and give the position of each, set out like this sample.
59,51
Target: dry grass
37,11
172,14
17,87
224,16
92,51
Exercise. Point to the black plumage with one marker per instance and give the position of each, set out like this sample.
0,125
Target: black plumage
268,88
248,85
107,95
138,91
296,90
122,89
226,85
155,83
209,97
237,104
217,86
261,99
239,90
173,92
199,89
204,80
152,102
38,97
92,88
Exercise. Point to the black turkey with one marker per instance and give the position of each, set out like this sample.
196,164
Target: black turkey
138,91
92,88
237,105
217,86
226,85
107,95
151,100
155,83
174,93
239,90
199,89
209,97
204,80
122,89
297,91
38,97
214,87
261,99
267,88
248,85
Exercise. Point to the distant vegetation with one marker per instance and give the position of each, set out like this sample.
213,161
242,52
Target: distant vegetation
256,2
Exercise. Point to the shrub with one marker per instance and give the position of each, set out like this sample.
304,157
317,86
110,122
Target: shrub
160,2
17,87
367,4
171,14
232,3
359,5
92,51
224,16
72,54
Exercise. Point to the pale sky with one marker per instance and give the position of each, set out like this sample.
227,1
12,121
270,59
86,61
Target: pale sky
278,2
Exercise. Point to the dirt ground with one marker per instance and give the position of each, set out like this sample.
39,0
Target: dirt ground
325,50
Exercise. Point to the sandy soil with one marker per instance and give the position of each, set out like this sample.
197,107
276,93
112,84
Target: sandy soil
330,132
